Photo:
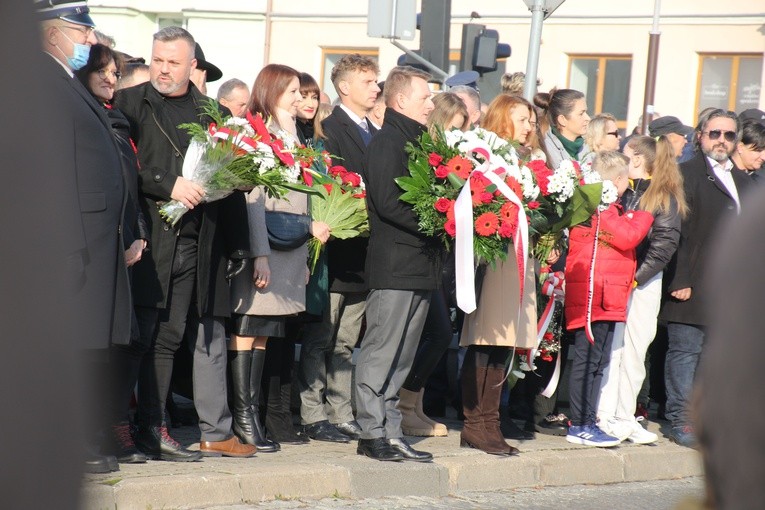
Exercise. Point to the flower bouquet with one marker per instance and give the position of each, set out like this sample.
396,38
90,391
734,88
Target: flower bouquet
236,154
469,190
568,196
340,203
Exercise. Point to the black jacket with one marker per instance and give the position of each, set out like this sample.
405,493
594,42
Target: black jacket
134,222
223,231
658,247
399,255
94,244
709,203
346,257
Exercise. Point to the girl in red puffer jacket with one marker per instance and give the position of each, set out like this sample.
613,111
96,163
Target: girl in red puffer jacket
600,270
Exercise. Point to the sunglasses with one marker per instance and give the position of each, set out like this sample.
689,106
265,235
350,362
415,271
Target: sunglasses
614,134
730,136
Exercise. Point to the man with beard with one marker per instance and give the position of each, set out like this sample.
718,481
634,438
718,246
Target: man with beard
713,193
180,283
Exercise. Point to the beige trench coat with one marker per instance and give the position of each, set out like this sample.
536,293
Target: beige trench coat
285,295
495,321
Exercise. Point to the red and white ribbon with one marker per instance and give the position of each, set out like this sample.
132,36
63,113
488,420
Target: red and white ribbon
552,287
235,137
463,218
591,282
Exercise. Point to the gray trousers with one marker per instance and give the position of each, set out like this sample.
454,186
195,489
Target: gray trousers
395,319
326,368
209,378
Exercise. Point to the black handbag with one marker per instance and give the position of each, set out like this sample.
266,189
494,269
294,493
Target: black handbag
287,231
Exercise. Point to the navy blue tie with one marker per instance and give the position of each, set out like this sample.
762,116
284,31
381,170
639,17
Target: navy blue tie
366,136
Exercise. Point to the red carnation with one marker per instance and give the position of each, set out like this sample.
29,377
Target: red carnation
434,159
351,178
548,336
486,224
450,212
451,227
545,356
441,172
442,205
507,229
486,197
533,205
336,170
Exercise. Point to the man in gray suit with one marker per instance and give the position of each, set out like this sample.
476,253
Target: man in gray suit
403,268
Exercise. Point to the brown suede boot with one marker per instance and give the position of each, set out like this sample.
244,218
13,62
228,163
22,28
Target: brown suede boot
412,423
474,432
492,396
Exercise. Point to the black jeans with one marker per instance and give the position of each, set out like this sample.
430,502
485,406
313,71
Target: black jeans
589,363
162,330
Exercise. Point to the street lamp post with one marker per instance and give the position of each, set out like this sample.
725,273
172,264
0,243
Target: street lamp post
650,74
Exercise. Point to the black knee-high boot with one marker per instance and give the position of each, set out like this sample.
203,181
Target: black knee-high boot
239,370
280,355
256,376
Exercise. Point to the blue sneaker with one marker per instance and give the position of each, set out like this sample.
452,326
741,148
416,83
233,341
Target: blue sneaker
590,435
684,436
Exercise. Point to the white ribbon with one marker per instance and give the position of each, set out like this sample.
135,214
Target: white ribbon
463,218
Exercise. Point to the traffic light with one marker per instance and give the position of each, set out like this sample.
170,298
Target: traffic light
481,48
433,23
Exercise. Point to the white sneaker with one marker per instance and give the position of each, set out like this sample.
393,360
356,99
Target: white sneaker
616,427
640,435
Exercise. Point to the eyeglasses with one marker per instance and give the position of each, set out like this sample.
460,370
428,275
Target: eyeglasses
83,30
730,136
614,134
104,73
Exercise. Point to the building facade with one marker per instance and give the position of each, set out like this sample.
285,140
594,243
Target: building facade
710,54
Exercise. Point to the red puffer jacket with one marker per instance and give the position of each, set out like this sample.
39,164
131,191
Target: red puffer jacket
618,236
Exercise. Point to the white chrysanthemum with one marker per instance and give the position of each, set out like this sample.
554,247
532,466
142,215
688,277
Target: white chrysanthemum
609,195
562,183
591,177
291,173
264,158
242,125
453,137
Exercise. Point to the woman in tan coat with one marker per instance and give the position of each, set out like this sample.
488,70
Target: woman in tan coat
494,327
275,290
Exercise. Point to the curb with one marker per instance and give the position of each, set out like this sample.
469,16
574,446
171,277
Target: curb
321,470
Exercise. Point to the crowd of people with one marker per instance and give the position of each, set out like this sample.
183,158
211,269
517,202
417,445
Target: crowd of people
214,286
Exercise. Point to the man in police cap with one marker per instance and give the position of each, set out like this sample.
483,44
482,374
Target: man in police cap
95,258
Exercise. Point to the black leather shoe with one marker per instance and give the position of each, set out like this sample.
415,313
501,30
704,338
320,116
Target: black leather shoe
553,425
512,431
400,445
378,449
324,431
96,464
349,428
157,444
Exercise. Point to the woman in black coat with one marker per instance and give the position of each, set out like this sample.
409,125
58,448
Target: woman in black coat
99,76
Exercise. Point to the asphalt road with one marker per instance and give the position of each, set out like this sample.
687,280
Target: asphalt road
656,495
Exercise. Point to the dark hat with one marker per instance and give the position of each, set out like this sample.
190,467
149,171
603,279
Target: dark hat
73,11
752,114
469,78
668,124
213,73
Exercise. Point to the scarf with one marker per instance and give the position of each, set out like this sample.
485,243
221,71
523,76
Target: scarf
572,147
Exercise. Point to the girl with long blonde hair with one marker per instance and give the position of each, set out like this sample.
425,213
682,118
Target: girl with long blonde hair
657,187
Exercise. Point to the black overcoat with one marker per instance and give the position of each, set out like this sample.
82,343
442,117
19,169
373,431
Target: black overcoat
709,202
223,229
93,162
346,258
399,255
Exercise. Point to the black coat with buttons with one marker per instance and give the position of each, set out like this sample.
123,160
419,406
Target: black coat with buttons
709,202
223,230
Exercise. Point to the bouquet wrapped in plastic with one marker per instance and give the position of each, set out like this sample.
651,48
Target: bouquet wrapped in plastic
237,154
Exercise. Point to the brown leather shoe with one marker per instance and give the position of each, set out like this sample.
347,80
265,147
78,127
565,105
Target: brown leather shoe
231,447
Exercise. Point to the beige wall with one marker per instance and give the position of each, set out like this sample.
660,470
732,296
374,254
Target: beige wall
234,34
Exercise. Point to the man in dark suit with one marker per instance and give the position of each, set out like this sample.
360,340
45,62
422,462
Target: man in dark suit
180,283
403,268
325,357
91,159
713,193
